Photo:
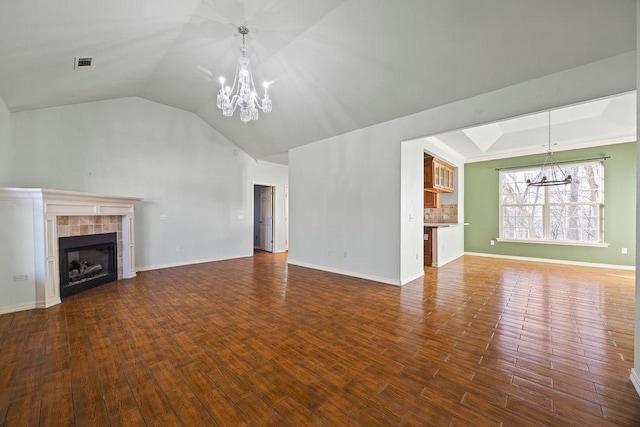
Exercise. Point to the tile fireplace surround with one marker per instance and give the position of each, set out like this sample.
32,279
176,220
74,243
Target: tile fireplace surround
59,213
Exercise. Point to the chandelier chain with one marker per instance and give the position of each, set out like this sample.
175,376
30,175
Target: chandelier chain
551,173
549,132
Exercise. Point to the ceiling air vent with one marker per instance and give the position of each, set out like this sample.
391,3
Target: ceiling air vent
82,62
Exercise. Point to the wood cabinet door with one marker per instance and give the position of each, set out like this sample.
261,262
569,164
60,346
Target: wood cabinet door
428,172
428,247
438,175
451,186
431,199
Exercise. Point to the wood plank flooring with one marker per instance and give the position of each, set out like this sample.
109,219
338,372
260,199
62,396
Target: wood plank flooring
254,342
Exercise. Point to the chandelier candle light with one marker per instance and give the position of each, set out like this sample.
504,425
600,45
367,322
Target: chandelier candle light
243,93
551,173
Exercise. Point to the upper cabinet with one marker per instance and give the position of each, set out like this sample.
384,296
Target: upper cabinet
438,175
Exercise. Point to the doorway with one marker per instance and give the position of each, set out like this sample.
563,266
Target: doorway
263,196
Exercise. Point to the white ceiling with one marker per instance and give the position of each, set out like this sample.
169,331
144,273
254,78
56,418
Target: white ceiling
337,65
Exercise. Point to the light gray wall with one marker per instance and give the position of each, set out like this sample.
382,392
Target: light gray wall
344,206
186,172
6,142
17,255
346,191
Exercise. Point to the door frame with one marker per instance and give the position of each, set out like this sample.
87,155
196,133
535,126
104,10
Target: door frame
286,218
273,213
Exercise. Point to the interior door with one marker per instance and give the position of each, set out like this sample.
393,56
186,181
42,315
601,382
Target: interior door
266,219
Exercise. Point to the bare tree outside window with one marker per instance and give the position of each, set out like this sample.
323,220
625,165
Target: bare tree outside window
571,212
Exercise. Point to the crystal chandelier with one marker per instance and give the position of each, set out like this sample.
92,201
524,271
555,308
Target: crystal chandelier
243,92
551,173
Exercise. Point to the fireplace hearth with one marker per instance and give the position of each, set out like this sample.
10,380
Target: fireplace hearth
87,261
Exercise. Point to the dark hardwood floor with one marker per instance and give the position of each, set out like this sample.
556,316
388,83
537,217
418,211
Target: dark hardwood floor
253,342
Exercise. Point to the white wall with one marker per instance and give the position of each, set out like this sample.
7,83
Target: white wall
344,204
448,243
411,210
346,191
196,185
17,255
412,204
6,142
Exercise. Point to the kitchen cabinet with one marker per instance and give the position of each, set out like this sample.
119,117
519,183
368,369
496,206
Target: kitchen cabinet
431,199
438,175
428,246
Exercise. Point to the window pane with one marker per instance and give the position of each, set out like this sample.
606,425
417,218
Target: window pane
584,187
575,222
522,222
571,212
515,190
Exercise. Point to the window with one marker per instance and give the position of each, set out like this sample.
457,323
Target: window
569,213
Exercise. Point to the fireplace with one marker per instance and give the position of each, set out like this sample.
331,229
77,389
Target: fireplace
87,261
40,217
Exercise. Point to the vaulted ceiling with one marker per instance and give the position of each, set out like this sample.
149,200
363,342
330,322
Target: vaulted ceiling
336,65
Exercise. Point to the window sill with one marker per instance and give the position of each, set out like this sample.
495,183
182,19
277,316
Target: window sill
555,242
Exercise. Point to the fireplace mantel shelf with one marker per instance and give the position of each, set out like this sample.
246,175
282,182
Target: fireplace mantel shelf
61,202
50,204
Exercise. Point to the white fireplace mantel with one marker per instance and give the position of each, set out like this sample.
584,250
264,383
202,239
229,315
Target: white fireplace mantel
47,206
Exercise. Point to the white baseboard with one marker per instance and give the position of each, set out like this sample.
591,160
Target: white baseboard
411,279
18,307
555,261
49,303
345,272
635,380
440,263
183,263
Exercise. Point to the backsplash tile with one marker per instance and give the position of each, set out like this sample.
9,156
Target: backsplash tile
444,214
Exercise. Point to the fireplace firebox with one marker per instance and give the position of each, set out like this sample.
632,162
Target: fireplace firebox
86,262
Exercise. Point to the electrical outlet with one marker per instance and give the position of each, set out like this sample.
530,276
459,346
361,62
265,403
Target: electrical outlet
20,277
493,242
163,217
624,250
345,254
178,248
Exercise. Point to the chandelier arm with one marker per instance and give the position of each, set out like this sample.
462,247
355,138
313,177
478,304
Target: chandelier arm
253,86
243,92
234,103
259,100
